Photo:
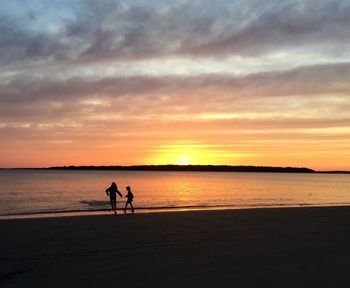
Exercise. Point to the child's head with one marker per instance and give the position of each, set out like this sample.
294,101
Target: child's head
128,188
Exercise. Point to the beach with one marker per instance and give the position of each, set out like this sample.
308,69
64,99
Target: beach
279,247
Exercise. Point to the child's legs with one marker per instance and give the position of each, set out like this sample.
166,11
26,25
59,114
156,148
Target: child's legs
113,203
132,207
130,203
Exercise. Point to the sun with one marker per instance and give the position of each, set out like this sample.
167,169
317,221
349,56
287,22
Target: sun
178,154
183,160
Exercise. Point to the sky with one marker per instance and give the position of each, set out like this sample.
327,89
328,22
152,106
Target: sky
239,82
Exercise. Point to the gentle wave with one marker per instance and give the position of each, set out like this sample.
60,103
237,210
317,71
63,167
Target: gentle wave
72,212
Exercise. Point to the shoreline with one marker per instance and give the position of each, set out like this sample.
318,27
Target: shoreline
179,168
280,247
148,210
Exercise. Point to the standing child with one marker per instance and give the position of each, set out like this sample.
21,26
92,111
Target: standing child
129,197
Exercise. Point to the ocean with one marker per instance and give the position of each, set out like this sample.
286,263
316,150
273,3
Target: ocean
24,192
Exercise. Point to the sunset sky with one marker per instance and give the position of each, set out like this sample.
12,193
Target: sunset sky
237,82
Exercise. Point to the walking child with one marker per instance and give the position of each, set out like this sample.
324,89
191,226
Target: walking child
129,196
112,192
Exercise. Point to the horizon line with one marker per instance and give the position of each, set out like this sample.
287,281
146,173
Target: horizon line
181,167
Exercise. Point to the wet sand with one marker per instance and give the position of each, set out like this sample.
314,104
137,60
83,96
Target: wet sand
289,247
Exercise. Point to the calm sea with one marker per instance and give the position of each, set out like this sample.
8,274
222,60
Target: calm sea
38,191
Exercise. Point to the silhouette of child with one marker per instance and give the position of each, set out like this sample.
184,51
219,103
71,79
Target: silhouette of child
129,197
112,192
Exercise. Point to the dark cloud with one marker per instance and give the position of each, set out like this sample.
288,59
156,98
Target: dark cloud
316,79
104,30
285,25
312,87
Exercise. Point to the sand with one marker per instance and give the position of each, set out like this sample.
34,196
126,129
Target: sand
289,247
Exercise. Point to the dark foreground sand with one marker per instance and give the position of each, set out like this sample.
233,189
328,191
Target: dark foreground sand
295,247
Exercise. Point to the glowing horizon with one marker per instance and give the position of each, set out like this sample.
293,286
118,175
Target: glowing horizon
181,82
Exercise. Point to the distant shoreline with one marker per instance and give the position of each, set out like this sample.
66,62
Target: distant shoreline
189,168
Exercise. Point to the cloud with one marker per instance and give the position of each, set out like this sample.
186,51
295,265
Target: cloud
106,30
283,25
311,90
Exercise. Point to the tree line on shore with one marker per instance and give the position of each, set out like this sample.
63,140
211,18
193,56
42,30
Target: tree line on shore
171,167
